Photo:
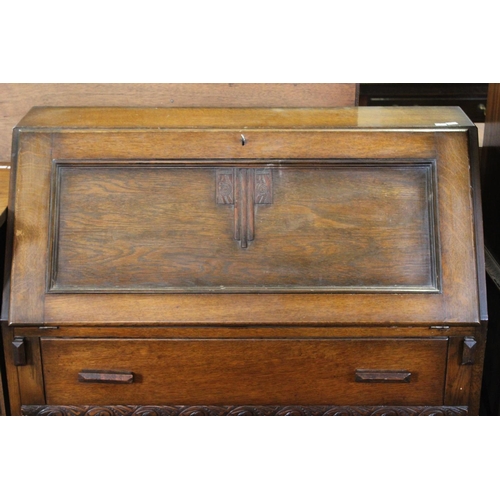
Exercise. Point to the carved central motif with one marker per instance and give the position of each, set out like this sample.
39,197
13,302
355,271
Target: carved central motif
244,188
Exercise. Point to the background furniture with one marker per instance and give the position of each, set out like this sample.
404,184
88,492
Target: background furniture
490,181
471,97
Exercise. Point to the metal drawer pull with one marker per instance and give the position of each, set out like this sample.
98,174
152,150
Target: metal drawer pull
105,377
382,376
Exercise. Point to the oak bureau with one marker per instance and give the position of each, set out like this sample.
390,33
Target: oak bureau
252,261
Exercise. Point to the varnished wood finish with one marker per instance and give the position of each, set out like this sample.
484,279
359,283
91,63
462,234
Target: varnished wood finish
267,259
28,229
244,410
254,332
12,378
30,374
481,332
245,371
183,240
244,188
477,369
16,99
9,237
183,133
469,350
478,223
271,144
244,119
19,351
458,376
382,376
105,377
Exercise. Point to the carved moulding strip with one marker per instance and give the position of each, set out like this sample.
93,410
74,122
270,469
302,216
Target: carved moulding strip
180,410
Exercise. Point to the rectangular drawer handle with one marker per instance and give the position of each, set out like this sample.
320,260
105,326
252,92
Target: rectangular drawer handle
105,377
382,376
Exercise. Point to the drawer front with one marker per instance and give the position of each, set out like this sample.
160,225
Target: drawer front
234,372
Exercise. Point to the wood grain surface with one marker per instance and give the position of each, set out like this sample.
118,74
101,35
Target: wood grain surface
301,206
240,410
458,377
160,229
16,99
35,153
245,332
12,378
302,117
244,371
123,216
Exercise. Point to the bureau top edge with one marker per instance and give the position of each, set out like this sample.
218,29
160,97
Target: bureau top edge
439,118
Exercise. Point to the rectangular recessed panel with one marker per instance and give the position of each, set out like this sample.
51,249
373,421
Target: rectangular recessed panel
244,228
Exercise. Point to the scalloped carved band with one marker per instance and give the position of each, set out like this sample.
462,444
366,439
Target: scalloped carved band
146,410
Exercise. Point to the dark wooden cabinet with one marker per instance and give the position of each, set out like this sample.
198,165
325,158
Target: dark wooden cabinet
490,168
245,261
471,97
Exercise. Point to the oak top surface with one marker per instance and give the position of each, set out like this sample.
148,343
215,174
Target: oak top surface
433,117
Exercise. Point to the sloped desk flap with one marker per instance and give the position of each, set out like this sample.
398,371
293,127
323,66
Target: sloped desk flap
243,216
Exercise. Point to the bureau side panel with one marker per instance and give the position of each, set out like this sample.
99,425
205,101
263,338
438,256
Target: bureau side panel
31,223
456,211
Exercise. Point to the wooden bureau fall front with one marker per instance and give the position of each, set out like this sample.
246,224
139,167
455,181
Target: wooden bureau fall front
244,262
